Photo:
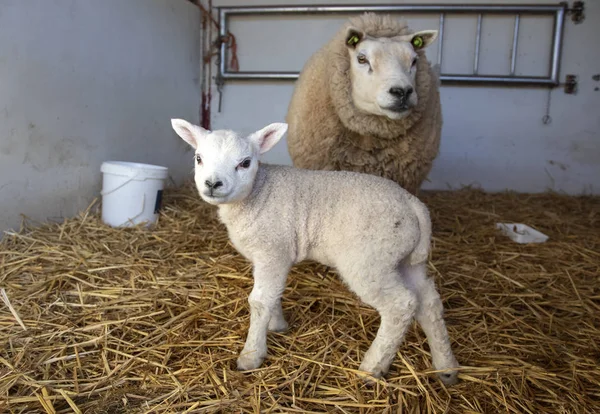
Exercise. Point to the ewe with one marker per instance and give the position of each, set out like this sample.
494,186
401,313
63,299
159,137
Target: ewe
376,234
368,101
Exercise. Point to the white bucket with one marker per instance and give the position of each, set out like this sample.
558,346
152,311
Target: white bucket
131,192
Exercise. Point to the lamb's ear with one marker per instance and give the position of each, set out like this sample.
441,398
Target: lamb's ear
422,39
189,132
267,137
353,37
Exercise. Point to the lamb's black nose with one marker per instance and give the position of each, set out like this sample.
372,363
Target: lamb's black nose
215,185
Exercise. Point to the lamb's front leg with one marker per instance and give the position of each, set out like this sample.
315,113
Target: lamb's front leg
277,322
265,303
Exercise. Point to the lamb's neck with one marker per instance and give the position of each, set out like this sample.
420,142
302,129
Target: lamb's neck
246,205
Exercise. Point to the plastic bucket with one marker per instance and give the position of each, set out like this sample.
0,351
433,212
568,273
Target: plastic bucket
131,193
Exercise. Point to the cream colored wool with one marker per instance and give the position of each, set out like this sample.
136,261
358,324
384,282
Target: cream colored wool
326,131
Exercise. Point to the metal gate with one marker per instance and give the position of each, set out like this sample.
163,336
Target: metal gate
559,12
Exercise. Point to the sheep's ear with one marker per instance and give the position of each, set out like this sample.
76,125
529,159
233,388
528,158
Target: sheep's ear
422,39
189,132
354,37
267,137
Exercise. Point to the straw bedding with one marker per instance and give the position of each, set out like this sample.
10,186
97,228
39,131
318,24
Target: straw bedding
101,320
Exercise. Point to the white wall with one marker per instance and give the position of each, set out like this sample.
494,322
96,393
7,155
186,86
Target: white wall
84,81
493,138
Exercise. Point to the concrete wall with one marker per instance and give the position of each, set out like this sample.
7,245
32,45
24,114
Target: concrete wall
84,81
493,138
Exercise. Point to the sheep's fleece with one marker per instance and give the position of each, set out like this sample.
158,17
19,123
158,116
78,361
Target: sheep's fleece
327,132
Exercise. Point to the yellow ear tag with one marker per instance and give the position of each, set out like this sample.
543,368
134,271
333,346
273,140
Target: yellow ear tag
353,40
417,42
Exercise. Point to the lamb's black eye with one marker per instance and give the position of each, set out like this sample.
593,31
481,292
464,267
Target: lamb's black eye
414,62
362,59
198,159
246,163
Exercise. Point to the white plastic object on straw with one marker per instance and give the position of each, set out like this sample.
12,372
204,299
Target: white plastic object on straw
131,192
521,233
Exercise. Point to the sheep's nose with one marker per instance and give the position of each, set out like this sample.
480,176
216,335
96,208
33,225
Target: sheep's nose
214,185
401,93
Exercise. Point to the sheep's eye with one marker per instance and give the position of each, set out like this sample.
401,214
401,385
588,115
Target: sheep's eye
414,62
198,159
362,59
245,163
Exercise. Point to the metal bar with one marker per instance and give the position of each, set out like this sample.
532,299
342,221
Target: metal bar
441,41
477,43
261,75
421,8
515,45
521,80
559,21
498,80
223,52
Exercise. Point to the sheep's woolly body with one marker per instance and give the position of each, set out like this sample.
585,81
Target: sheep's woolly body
334,217
376,234
327,132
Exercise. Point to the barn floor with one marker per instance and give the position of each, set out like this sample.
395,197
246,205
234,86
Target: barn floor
104,320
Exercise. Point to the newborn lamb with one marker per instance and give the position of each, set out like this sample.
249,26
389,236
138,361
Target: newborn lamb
375,233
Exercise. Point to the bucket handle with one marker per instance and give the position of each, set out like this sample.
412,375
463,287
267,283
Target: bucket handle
130,219
130,178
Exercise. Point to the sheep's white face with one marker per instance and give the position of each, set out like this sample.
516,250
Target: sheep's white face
225,162
383,71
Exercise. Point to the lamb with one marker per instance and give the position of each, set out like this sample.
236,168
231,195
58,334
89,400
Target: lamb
368,101
376,234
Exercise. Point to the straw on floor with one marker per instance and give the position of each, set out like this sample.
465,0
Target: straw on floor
101,320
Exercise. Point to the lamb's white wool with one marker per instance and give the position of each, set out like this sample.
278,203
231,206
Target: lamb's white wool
383,71
376,234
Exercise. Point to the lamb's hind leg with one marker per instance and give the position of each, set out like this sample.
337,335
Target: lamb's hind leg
396,306
430,315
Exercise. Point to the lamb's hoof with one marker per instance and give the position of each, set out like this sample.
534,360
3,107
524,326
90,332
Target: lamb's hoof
249,362
448,371
449,378
371,373
278,326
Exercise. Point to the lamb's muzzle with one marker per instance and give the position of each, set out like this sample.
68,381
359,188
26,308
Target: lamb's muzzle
375,233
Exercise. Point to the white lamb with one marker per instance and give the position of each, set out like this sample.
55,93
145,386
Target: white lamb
375,233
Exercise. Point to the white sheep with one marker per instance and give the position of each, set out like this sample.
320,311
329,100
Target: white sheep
376,234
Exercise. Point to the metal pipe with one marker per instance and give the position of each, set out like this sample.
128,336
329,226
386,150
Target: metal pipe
504,80
559,21
441,41
477,43
497,80
421,8
515,45
222,34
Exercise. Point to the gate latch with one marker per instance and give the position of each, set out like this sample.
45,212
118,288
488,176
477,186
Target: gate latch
577,12
571,84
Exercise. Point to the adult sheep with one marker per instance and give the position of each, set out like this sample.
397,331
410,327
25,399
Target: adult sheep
368,101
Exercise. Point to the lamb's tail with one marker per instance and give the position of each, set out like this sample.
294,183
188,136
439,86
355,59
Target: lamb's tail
421,252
